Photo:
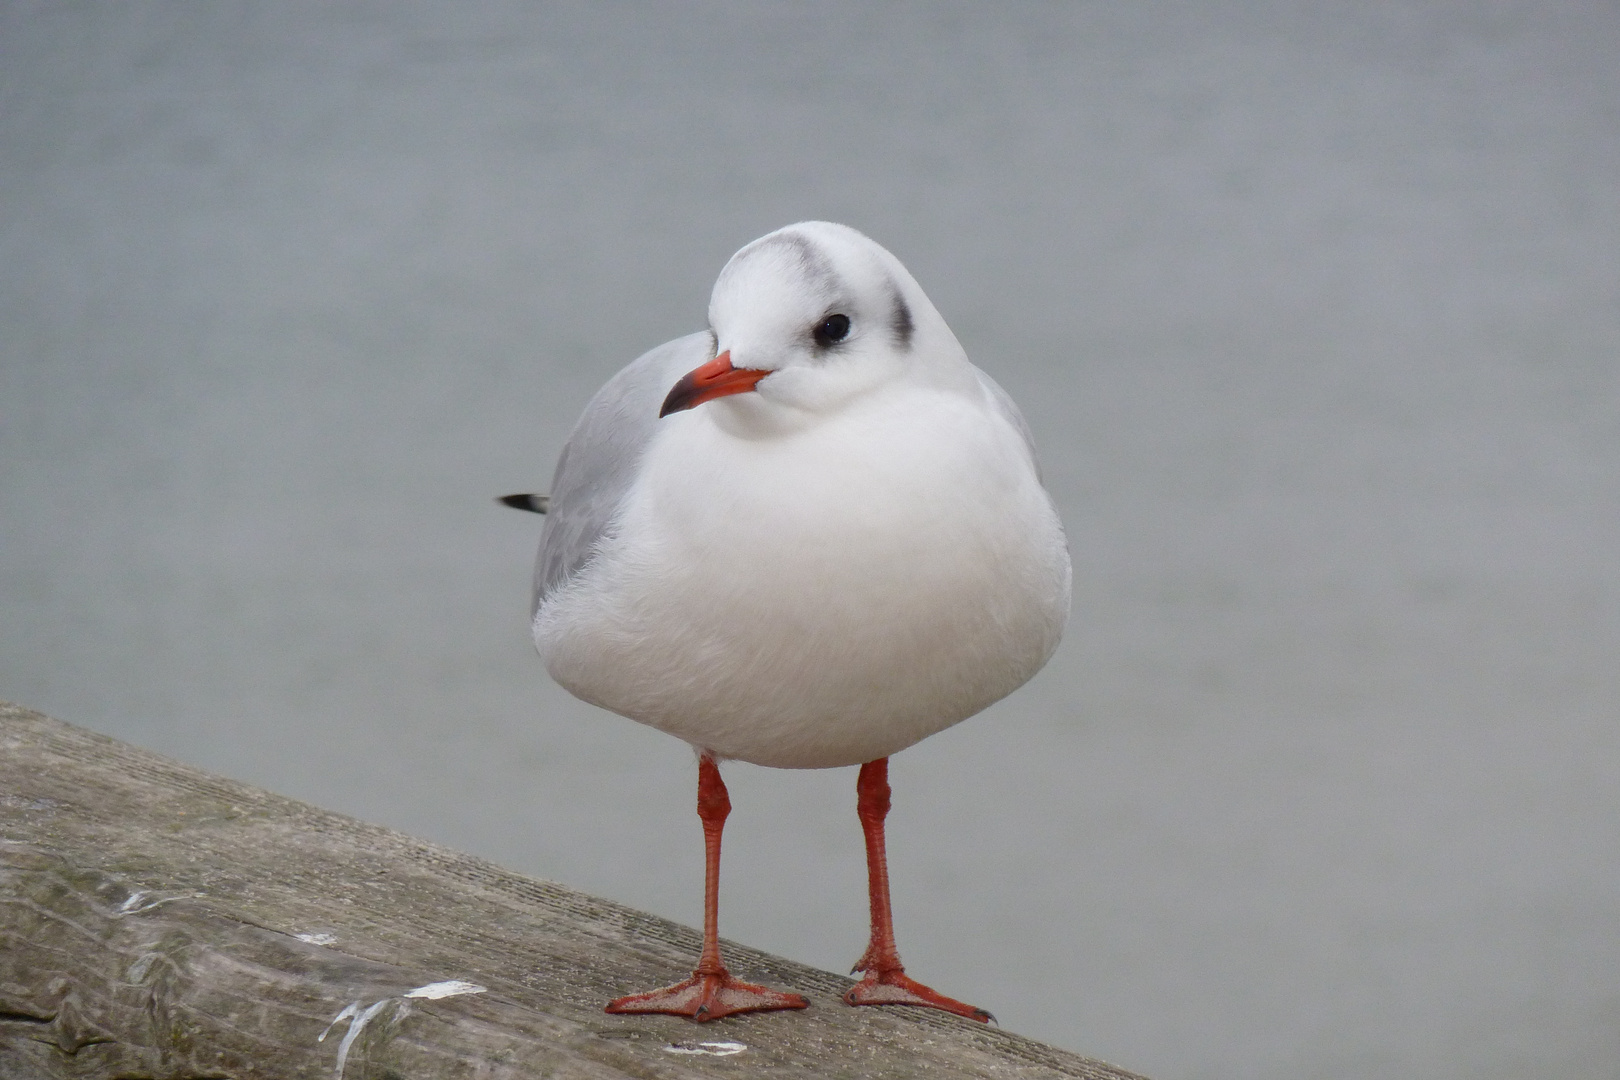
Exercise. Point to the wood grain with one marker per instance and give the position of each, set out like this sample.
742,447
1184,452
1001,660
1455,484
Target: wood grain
161,923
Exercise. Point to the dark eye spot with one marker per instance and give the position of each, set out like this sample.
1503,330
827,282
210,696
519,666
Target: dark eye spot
832,329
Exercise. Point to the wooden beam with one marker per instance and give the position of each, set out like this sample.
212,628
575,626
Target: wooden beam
160,922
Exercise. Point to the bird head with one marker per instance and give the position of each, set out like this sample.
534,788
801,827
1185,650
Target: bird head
810,317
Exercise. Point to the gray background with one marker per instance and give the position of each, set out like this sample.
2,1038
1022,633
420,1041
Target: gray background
1314,310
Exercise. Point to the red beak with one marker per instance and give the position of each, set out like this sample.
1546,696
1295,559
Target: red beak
715,379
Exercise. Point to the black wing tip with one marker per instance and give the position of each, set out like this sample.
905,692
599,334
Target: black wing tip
534,504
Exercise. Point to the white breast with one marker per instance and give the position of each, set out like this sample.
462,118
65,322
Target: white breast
822,598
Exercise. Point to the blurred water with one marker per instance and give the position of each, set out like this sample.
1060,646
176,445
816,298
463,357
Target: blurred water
1315,314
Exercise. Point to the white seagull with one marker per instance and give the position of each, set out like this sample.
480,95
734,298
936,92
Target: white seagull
807,537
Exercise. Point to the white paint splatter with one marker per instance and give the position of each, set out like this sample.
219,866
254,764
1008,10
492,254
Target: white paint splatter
137,901
713,1049
359,1015
321,938
358,1018
349,1010
448,988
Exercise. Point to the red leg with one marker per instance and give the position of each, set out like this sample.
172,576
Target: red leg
711,992
886,981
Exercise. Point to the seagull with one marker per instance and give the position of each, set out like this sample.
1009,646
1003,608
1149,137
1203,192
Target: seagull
806,537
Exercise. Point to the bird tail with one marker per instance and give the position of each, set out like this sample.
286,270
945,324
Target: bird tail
535,504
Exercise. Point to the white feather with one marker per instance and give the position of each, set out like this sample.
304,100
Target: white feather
827,570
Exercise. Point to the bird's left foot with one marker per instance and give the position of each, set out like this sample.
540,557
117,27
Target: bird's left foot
895,987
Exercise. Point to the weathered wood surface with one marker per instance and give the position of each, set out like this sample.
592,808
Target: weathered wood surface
159,922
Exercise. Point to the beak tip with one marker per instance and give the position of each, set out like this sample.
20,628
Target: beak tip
715,379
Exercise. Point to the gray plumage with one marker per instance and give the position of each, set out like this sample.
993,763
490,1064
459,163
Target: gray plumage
603,455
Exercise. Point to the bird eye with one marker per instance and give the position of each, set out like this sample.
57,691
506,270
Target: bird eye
831,329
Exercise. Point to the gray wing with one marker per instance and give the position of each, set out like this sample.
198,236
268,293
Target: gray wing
1009,410
603,456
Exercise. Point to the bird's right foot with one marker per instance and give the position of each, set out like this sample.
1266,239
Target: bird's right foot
706,997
